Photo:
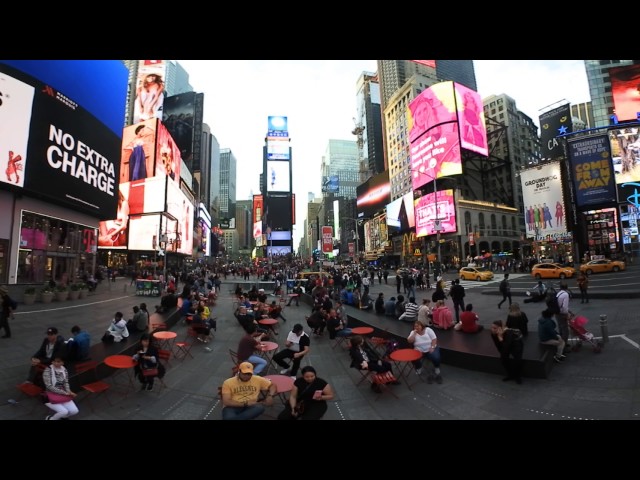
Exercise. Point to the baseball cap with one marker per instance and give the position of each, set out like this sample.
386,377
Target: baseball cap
52,331
245,367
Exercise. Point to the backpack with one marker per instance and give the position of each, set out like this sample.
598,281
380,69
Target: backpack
552,301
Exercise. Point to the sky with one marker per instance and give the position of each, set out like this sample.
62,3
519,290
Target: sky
319,99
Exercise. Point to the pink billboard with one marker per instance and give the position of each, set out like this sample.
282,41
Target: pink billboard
473,131
168,156
435,155
432,107
429,212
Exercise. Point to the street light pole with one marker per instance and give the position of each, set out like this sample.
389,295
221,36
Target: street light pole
436,223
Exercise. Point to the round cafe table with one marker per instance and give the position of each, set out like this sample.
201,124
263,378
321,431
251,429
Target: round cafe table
270,323
267,350
362,331
283,383
122,362
165,339
403,358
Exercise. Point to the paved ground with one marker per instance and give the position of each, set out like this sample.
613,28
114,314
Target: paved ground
586,386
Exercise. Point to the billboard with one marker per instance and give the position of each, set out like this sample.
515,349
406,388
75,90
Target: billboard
435,155
327,239
435,211
625,154
278,148
624,89
181,209
400,213
279,176
257,230
55,149
146,195
179,118
330,184
279,212
115,233
426,63
553,123
544,211
373,195
602,229
169,157
592,171
149,90
433,106
277,126
471,121
258,208
138,151
144,230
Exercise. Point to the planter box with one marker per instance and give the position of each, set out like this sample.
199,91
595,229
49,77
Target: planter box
47,297
74,294
62,296
29,298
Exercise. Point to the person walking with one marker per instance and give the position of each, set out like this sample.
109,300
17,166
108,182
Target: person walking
6,311
583,285
562,317
398,282
505,290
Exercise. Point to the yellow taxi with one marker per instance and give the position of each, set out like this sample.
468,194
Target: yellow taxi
552,270
475,273
603,265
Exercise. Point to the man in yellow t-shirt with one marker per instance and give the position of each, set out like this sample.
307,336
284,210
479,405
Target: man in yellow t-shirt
240,394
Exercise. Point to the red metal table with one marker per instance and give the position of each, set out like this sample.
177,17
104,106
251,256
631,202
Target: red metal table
403,358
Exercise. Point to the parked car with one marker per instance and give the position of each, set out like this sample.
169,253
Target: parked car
604,265
475,273
552,270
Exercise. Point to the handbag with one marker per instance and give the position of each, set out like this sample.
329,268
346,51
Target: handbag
58,397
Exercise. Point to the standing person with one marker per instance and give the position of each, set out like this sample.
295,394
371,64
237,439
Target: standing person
296,347
379,272
425,341
583,285
6,311
385,275
518,319
398,282
297,291
147,357
457,295
240,394
78,345
562,318
548,335
505,290
308,397
59,394
508,341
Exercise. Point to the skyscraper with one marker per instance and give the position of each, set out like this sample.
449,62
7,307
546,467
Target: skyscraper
227,200
600,87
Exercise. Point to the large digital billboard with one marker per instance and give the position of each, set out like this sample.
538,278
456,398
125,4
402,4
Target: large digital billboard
435,211
168,154
592,171
278,176
179,118
553,123
544,211
400,213
278,148
115,233
624,89
181,209
279,212
144,229
625,154
471,121
278,126
258,208
433,106
435,155
146,195
54,148
138,151
150,90
331,184
373,195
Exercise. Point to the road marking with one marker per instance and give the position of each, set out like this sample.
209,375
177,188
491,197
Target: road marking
73,306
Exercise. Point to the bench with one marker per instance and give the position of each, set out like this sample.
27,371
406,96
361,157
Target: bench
100,350
469,351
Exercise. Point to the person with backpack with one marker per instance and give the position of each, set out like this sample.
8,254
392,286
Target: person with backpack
6,311
505,290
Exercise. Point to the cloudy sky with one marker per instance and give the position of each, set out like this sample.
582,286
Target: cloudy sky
318,97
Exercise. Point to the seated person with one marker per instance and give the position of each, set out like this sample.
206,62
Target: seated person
246,320
139,321
297,290
537,293
201,324
249,343
167,303
343,295
275,311
357,298
349,297
336,326
262,296
365,358
390,307
410,311
78,345
442,316
252,294
379,304
469,321
187,308
245,301
317,321
52,346
118,328
400,306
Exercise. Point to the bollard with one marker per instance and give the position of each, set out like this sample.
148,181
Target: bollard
604,329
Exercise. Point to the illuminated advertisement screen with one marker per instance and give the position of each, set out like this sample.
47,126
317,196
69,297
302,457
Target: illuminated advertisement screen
426,63
592,171
179,117
55,149
150,90
257,229
544,212
433,106
471,121
179,207
168,158
278,176
280,235
433,208
331,183
138,151
278,148
258,208
146,195
436,154
279,217
400,213
602,228
625,154
277,126
278,250
373,195
143,229
624,89
115,233
327,239
553,123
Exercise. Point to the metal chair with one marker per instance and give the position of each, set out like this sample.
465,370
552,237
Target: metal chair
97,387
